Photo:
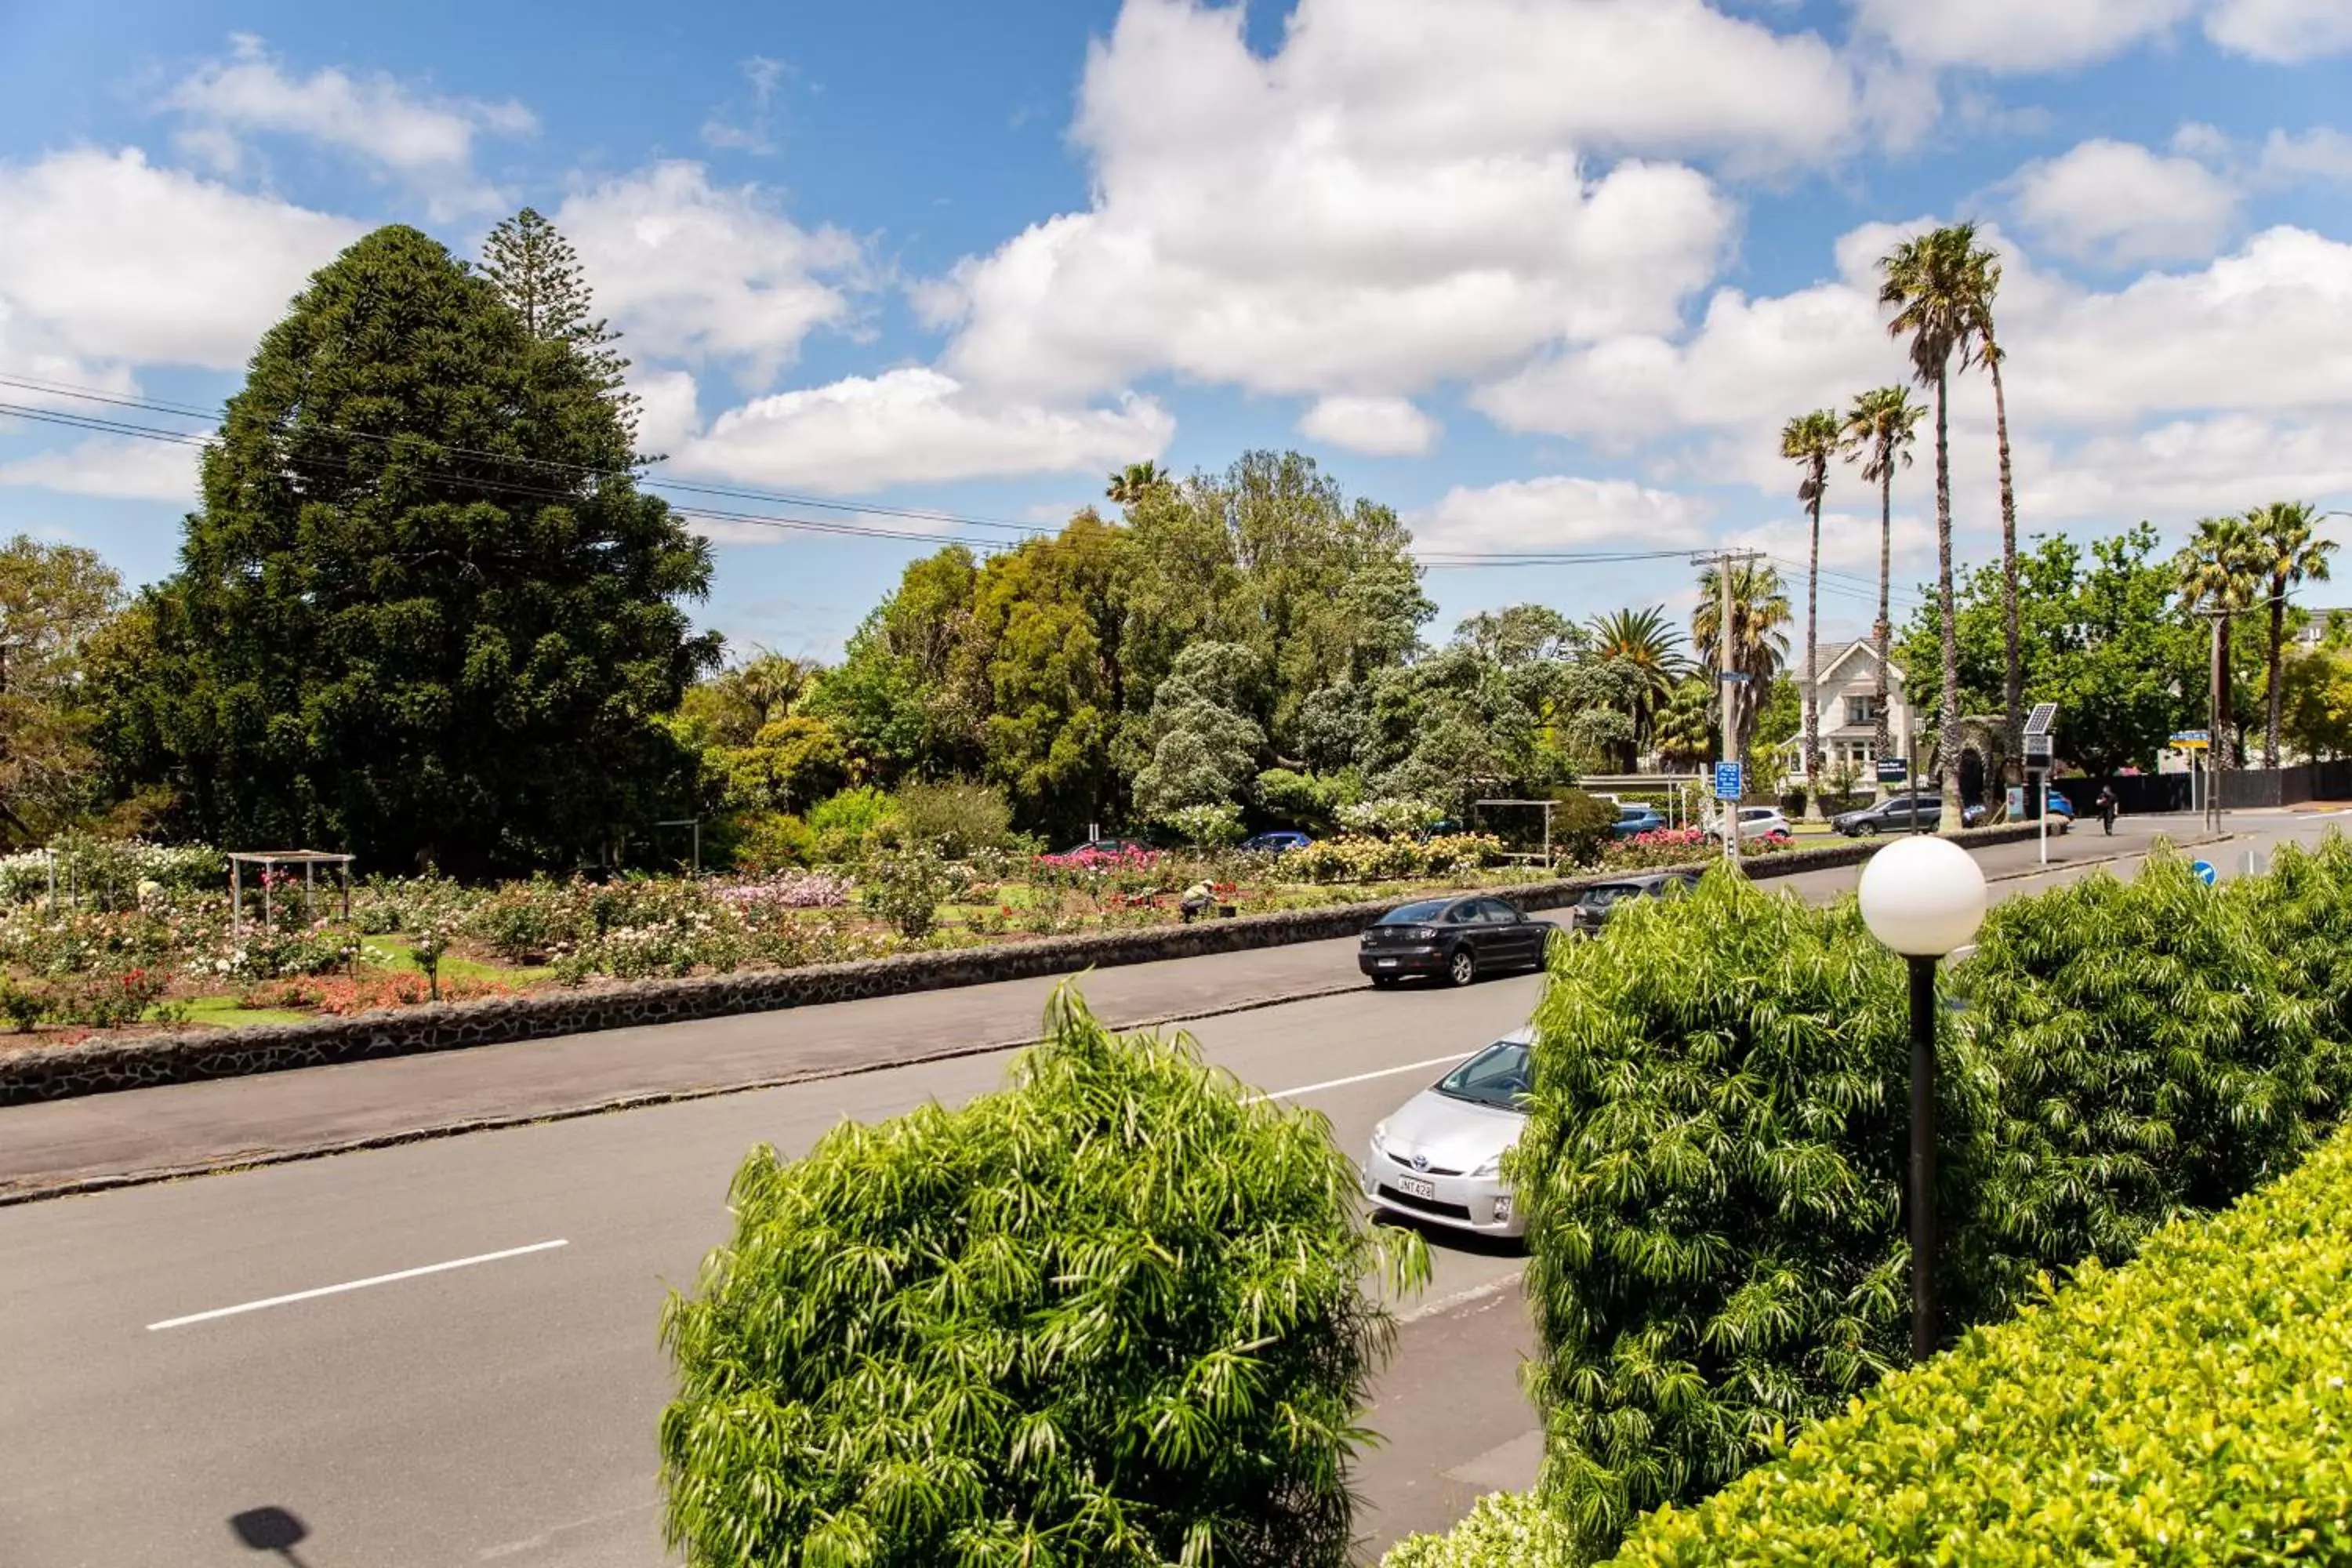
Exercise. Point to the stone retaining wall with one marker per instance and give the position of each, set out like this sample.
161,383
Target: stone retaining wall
99,1067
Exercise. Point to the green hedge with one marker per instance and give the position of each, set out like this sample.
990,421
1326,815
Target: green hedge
1713,1166
2189,1408
1116,1314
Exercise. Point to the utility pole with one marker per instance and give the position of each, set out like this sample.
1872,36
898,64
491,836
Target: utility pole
2218,707
1728,678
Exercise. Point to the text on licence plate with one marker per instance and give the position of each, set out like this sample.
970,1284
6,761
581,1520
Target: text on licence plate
1388,964
1414,1187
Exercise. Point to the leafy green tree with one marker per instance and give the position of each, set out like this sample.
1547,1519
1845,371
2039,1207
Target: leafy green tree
900,695
1133,483
56,603
1878,432
1647,640
1685,730
2219,576
1114,1315
1759,639
1205,746
425,613
537,273
2283,539
1811,440
2317,702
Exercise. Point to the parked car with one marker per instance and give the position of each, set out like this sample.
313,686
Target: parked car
1634,820
1109,847
1438,1157
1757,822
1594,905
1455,939
1277,842
2058,806
1903,813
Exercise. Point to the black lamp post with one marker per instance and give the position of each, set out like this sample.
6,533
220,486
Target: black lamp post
1924,896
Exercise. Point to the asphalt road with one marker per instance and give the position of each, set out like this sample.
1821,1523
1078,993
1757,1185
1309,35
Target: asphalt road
501,1411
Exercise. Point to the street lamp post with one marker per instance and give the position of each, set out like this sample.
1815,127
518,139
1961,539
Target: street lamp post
1924,896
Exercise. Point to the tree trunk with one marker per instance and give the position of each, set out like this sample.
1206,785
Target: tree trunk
1812,675
1884,630
2012,670
1948,740
2271,681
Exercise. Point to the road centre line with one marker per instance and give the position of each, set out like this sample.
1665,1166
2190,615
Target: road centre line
356,1285
1359,1078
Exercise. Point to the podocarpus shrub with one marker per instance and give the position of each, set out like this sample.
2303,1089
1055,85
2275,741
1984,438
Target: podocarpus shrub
2191,1408
1711,1169
1112,1315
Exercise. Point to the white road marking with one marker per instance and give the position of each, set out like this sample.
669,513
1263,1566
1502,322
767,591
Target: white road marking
356,1285
1460,1299
1359,1078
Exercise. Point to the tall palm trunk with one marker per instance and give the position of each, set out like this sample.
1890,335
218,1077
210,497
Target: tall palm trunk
1948,719
1812,692
1884,631
2270,679
2013,689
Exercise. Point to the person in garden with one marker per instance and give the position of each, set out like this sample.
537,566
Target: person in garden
1197,901
2107,803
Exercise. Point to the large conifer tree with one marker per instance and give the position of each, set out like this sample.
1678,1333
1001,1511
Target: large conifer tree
423,613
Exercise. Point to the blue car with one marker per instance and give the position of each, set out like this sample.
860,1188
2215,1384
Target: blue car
1279,841
2060,805
1632,821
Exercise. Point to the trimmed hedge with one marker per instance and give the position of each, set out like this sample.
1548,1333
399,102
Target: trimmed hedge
2191,1408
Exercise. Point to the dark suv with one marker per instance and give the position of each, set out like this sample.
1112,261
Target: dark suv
1591,909
1902,814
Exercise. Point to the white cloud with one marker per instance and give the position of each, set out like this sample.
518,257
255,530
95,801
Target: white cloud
1383,426
1399,195
2184,469
1558,511
110,258
428,140
684,267
2320,153
2282,31
124,466
914,426
2119,203
756,131
2016,35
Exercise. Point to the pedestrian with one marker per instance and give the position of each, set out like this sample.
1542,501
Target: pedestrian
1196,901
2107,804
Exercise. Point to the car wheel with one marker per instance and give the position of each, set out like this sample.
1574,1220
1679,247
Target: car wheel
1864,830
1463,967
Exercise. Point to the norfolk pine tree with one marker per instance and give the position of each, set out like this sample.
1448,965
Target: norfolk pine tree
423,613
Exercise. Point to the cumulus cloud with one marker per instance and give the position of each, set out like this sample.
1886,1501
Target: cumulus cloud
693,269
913,427
2117,203
1558,511
1399,194
121,467
110,258
427,138
2016,35
2320,153
1382,427
2282,31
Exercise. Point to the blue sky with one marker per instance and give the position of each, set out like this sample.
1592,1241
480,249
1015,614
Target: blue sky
1542,274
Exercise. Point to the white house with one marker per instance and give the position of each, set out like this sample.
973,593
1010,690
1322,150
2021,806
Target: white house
1847,691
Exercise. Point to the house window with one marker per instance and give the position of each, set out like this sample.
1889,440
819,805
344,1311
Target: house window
1862,710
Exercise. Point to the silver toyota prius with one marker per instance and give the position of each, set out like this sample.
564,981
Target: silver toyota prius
1438,1157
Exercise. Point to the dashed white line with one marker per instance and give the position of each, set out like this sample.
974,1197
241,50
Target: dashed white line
1359,1078
356,1285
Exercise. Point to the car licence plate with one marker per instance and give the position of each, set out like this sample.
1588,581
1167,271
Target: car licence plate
1414,1187
1388,964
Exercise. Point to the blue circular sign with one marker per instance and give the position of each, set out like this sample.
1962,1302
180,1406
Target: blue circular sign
2204,870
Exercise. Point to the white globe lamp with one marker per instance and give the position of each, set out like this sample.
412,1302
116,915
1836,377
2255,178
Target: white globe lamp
1923,897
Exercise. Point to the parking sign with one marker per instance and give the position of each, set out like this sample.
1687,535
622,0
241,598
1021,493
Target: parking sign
1727,781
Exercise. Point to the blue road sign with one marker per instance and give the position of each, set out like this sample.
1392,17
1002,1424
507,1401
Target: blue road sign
2204,871
1727,781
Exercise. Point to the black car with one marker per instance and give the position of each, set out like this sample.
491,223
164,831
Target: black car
1591,909
1456,940
1901,814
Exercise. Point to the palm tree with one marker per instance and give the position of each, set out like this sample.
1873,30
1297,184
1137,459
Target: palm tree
1879,430
1930,284
1760,638
1984,284
1132,484
1647,641
2283,539
1811,440
2217,576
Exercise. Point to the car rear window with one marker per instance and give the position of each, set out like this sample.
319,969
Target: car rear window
1414,914
1609,893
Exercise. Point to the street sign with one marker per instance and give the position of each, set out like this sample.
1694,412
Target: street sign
2203,871
2037,747
1727,781
2191,739
2017,802
1894,770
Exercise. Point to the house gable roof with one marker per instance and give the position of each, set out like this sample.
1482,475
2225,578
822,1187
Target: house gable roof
1869,655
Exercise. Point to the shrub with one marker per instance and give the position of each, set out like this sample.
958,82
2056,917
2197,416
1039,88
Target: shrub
906,887
1711,1169
769,841
527,922
1579,825
106,1000
954,816
22,1006
1662,846
1502,1529
2191,1408
843,822
1114,1314
1206,827
1391,816
1350,858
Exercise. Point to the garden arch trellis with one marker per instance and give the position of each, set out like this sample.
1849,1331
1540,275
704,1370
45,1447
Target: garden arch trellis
270,861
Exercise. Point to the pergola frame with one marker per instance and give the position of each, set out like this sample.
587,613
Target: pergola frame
1548,807
308,859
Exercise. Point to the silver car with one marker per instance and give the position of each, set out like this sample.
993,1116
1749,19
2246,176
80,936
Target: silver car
1438,1157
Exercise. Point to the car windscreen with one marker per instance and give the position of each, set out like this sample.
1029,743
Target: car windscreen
1606,893
1415,914
1496,1076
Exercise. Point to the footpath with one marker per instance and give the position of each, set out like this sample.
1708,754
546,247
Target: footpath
97,1142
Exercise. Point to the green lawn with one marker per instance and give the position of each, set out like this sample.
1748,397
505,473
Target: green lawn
396,952
222,1011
